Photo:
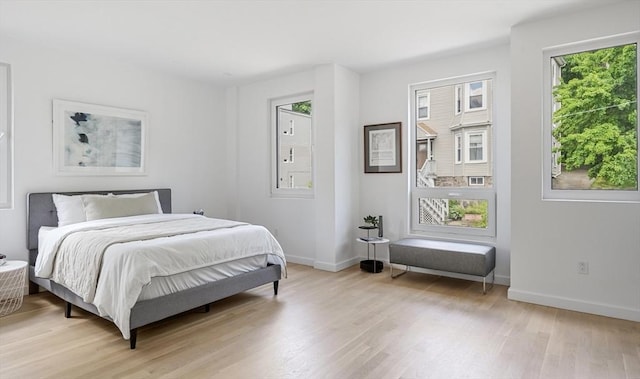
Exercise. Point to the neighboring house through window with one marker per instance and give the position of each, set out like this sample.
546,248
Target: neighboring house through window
292,130
452,175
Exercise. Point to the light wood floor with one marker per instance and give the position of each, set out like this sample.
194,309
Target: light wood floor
349,324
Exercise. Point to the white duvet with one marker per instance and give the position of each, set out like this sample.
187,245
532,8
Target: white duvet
108,262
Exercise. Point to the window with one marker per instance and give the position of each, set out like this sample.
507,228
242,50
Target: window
591,120
458,148
289,158
292,149
454,192
6,138
476,95
476,142
458,99
476,181
291,129
423,105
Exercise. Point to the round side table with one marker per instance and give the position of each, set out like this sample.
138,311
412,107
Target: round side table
372,265
12,278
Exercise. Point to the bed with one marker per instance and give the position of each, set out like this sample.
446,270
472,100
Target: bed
165,295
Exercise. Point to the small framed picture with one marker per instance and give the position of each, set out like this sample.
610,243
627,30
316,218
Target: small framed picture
383,148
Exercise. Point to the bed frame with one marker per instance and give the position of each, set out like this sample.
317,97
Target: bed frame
41,211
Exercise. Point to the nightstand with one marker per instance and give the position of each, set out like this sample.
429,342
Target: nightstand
12,278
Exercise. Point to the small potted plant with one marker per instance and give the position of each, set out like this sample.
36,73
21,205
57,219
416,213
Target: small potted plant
371,220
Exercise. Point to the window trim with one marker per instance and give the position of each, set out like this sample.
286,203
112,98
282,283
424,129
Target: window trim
6,137
274,132
476,193
547,111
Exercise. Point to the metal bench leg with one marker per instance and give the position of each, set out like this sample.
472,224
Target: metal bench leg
400,274
484,284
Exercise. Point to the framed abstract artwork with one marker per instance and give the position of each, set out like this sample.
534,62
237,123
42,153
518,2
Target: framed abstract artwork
93,139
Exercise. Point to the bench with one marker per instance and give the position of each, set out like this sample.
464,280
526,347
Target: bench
457,257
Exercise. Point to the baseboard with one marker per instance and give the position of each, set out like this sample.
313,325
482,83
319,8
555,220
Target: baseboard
600,309
337,266
348,263
299,260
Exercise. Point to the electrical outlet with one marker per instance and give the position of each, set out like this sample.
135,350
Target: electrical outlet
583,268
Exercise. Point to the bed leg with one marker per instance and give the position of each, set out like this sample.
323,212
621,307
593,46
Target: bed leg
67,310
133,336
33,288
207,307
275,287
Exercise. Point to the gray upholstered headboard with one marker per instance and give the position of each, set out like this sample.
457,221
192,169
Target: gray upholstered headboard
41,211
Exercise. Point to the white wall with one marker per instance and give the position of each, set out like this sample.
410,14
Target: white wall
550,237
310,230
384,98
187,140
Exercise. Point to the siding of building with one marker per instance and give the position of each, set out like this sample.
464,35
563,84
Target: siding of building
443,120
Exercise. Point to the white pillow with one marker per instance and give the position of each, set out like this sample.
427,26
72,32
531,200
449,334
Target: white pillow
70,209
97,207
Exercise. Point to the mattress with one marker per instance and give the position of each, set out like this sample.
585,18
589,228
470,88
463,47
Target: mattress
165,285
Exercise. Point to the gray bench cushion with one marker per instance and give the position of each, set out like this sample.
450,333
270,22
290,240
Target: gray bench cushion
462,258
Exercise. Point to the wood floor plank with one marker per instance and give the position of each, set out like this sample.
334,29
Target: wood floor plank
349,324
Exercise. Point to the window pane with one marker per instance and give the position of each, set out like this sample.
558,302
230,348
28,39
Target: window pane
475,95
453,144
595,122
294,145
423,105
6,123
475,147
453,212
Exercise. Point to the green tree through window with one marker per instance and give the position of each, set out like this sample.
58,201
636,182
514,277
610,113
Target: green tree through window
302,107
597,121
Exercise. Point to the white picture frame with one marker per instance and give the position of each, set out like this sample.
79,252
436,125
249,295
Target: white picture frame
91,139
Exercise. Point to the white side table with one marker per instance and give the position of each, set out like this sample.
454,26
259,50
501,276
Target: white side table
372,265
12,278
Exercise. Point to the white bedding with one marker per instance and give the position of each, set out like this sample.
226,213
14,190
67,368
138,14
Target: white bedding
125,268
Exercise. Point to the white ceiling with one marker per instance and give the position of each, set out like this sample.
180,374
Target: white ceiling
230,42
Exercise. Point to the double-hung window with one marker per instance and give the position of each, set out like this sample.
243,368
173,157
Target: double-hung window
453,190
475,96
476,142
423,101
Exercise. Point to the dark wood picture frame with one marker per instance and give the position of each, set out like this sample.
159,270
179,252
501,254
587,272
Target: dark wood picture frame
383,148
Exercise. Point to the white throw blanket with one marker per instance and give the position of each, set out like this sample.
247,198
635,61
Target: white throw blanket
107,262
